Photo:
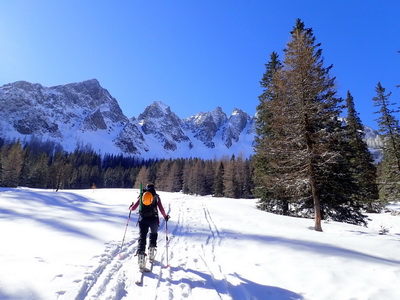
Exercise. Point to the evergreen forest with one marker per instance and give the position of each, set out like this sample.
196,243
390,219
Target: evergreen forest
45,165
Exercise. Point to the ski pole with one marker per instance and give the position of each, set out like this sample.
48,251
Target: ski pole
126,227
166,241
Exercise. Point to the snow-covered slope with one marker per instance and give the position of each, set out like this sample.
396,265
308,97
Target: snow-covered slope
66,245
85,114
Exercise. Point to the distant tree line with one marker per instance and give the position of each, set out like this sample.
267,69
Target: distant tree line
45,165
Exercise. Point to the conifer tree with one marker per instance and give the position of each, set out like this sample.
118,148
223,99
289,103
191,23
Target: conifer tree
362,163
247,180
268,149
12,165
133,175
219,181
95,177
60,170
1,168
29,159
188,177
152,172
39,171
231,184
142,177
162,175
199,181
209,175
174,180
389,179
304,137
243,177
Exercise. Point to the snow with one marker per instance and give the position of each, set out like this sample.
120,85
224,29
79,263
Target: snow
66,245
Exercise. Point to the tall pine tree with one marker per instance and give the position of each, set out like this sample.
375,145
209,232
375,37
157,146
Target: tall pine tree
389,179
304,138
363,167
268,148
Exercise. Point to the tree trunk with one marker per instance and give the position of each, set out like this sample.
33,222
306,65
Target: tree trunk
317,204
313,177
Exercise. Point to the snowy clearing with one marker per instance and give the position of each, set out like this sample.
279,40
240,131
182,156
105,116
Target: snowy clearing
66,245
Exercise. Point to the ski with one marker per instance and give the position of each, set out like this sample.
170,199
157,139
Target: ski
140,274
142,271
145,270
139,277
142,260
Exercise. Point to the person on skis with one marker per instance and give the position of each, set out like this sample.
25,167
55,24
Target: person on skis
148,205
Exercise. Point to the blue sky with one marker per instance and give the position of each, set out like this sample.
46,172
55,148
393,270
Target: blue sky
195,55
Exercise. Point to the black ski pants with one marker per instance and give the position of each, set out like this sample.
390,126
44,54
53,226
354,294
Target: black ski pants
145,224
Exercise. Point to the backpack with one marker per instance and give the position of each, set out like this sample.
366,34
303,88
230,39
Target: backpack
147,198
148,205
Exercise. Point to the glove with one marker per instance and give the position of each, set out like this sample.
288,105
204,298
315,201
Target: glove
167,217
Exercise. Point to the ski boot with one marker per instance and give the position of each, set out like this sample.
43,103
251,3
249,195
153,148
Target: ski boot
141,260
152,253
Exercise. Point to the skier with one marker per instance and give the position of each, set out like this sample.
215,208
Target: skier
149,204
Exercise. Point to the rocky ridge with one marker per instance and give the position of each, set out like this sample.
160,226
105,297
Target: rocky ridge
85,114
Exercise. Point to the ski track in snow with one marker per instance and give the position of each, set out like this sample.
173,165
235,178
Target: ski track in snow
193,273
199,270
107,278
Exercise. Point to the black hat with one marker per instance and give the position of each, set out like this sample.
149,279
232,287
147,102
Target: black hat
150,186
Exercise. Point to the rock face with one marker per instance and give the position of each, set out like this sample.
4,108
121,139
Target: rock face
374,142
72,114
204,126
158,121
85,114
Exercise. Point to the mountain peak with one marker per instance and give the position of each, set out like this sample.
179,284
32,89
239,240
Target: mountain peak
91,81
162,106
158,121
237,111
157,110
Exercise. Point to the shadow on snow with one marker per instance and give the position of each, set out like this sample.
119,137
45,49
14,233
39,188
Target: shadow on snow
245,290
64,202
297,244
